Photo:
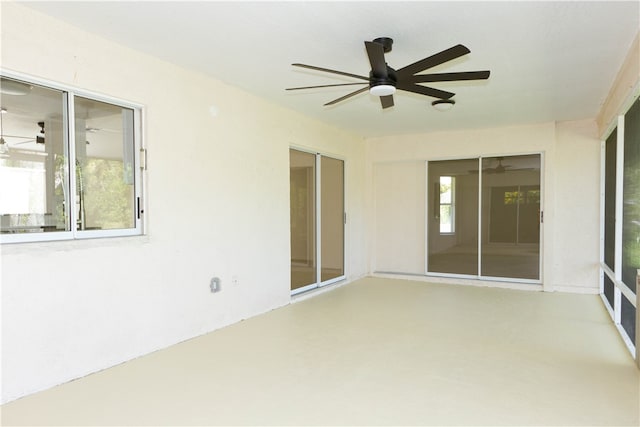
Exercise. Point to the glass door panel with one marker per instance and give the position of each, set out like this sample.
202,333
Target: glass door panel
302,177
453,217
511,217
332,218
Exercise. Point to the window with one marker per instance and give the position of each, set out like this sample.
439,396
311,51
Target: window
447,204
68,164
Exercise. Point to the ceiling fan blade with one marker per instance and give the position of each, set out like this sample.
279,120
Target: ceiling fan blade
375,51
433,60
349,95
449,77
386,101
315,87
423,90
326,70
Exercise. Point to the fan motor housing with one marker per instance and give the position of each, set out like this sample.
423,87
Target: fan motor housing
390,79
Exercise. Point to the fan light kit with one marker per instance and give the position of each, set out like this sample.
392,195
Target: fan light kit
383,81
382,90
443,104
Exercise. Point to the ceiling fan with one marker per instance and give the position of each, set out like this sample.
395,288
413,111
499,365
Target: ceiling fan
383,81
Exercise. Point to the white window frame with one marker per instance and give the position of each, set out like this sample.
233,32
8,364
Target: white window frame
480,191
451,204
139,159
318,221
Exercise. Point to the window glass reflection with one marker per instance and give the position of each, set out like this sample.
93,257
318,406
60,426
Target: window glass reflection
33,164
104,165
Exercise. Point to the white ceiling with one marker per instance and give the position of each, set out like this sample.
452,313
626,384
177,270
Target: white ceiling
548,60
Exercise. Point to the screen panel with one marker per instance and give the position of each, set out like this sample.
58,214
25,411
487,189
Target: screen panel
628,318
610,200
631,197
609,289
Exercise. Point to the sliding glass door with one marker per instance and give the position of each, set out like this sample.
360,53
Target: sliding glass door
317,220
496,198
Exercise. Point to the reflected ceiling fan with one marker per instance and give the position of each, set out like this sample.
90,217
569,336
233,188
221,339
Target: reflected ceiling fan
38,139
40,136
500,168
383,81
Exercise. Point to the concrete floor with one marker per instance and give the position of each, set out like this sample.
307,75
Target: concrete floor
374,352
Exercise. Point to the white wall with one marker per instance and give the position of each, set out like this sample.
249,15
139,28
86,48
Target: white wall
570,182
217,205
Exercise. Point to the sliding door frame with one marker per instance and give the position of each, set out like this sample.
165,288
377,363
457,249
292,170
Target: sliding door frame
480,276
318,221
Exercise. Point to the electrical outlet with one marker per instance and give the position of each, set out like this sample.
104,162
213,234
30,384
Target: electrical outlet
235,281
214,285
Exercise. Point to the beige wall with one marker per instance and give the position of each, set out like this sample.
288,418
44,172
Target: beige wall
399,189
217,205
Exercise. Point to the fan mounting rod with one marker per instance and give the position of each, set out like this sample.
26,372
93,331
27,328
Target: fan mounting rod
386,43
